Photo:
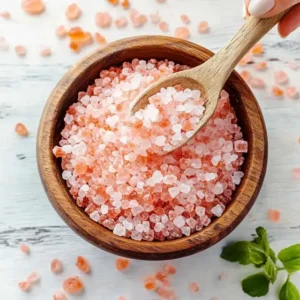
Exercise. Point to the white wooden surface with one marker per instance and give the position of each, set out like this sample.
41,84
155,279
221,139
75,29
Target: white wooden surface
26,214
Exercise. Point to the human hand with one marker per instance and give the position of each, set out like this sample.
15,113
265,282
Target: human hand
268,8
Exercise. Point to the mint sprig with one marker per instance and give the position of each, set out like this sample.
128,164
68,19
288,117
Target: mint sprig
261,255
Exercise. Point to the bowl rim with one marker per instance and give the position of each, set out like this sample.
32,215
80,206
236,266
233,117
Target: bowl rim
103,238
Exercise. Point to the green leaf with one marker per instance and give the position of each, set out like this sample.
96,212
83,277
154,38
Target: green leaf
264,242
237,252
290,253
257,255
273,256
256,285
289,291
292,265
271,270
290,257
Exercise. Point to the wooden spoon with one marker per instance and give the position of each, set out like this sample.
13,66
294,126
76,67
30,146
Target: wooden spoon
211,76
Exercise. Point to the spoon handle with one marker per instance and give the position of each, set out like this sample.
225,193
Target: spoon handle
250,33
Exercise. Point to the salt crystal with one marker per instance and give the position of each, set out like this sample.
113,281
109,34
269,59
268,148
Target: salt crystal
128,225
218,188
215,160
281,77
104,209
112,121
159,227
137,210
174,191
170,179
191,222
179,221
160,140
95,216
217,210
186,230
184,188
237,176
66,175
119,230
210,176
200,211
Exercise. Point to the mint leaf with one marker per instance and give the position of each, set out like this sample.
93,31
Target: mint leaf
272,255
290,257
263,239
292,265
289,291
237,252
256,285
257,255
290,253
271,270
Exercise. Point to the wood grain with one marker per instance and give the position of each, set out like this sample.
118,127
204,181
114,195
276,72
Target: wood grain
83,74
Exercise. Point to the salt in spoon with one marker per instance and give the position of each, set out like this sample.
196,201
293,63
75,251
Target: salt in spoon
211,76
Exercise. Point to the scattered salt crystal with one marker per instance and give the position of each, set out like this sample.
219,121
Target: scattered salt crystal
20,50
274,215
292,92
33,278
103,19
56,266
59,295
203,27
281,77
182,33
257,82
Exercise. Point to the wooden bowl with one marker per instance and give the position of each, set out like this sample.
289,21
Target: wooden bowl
78,78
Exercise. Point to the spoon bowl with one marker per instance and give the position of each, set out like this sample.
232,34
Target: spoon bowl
211,76
83,74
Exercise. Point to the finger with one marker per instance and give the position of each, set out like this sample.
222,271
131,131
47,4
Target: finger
245,9
268,8
290,22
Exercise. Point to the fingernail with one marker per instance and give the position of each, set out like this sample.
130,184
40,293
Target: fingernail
260,7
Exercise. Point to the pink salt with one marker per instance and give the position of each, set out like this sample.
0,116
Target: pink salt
24,248
24,286
246,75
203,27
121,22
185,19
194,287
20,51
257,82
33,278
5,15
61,31
261,66
274,215
59,295
103,19
155,18
45,51
138,20
73,12
281,77
292,92
182,33
112,167
56,266
164,26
